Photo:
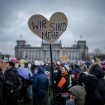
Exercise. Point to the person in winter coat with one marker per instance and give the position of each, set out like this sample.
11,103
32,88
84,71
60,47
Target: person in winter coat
75,71
97,70
2,78
90,82
26,90
57,77
64,81
40,87
77,95
12,85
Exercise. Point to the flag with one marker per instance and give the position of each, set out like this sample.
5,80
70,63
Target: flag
81,36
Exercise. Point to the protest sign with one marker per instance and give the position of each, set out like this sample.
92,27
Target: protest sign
50,30
65,59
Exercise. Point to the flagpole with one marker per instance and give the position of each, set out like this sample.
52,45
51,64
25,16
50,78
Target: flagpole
21,36
81,37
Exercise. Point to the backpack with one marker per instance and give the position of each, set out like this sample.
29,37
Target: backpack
10,82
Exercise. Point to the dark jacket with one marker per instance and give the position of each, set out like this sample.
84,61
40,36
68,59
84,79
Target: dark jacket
40,83
11,76
96,70
93,98
99,73
12,83
2,78
91,83
68,83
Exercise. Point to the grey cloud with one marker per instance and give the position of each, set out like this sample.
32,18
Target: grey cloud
85,17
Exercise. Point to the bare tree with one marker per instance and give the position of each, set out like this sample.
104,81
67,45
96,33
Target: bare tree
104,49
97,51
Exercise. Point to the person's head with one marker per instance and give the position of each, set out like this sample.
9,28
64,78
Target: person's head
63,70
90,82
96,69
40,69
77,93
33,67
26,65
97,59
57,68
12,64
76,66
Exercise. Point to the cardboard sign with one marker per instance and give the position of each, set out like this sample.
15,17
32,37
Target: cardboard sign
64,59
51,30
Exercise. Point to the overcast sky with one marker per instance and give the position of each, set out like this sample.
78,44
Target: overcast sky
85,17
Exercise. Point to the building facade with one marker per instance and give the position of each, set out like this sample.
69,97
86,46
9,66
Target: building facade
76,52
4,57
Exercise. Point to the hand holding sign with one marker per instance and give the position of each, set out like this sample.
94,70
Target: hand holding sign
48,30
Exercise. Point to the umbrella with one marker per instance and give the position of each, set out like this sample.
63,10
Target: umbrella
24,72
103,64
22,61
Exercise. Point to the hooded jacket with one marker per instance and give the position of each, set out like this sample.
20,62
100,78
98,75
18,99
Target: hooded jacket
40,83
90,83
79,92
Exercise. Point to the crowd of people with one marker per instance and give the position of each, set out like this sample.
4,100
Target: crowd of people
73,84
85,84
23,85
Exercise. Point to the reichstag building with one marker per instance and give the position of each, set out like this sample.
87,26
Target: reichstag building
75,52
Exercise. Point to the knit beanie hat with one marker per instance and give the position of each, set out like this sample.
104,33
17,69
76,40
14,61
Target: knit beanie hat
79,92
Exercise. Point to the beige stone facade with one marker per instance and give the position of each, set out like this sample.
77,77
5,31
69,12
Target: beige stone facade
76,52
